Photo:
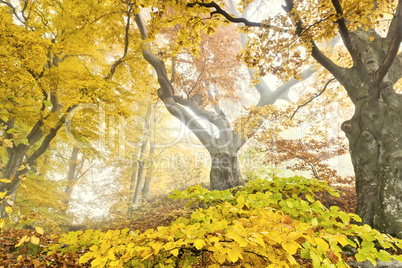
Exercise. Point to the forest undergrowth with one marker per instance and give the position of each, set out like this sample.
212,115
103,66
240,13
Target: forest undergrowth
315,235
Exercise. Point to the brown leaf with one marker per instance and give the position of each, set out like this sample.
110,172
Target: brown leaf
332,256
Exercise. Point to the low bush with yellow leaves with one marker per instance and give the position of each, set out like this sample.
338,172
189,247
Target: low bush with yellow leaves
268,223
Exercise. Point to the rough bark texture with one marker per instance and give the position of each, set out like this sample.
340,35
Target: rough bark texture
375,131
375,135
375,140
224,169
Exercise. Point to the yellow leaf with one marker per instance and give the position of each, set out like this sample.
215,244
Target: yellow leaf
234,254
111,255
8,143
93,248
22,241
175,252
1,224
290,248
9,210
85,258
371,38
35,240
199,243
156,247
97,262
321,243
5,180
314,222
114,263
39,230
240,200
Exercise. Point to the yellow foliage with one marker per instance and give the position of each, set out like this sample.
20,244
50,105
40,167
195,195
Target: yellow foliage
256,232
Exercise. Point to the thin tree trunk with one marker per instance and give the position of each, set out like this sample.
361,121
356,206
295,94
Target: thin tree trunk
71,176
135,201
146,191
140,178
132,188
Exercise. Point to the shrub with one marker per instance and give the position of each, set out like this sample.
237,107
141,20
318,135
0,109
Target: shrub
263,224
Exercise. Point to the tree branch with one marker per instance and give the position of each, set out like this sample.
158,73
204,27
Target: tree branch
337,71
316,96
166,93
395,42
126,44
12,9
199,77
343,30
46,141
219,10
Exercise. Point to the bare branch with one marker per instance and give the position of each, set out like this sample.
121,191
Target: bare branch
46,141
219,10
126,44
316,96
8,3
173,70
275,95
210,116
199,77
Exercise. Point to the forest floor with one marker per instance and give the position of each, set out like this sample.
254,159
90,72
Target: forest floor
160,213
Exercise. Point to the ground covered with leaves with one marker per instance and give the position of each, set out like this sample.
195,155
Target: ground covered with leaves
278,223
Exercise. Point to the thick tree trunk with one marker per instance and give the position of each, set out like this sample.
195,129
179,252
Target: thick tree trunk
225,172
375,140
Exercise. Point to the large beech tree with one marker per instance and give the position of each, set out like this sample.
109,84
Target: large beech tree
220,137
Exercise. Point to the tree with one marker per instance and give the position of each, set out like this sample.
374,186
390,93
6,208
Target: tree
368,68
55,58
219,137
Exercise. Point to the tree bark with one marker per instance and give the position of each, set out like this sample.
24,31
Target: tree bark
146,191
225,172
375,141
375,130
139,178
71,176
